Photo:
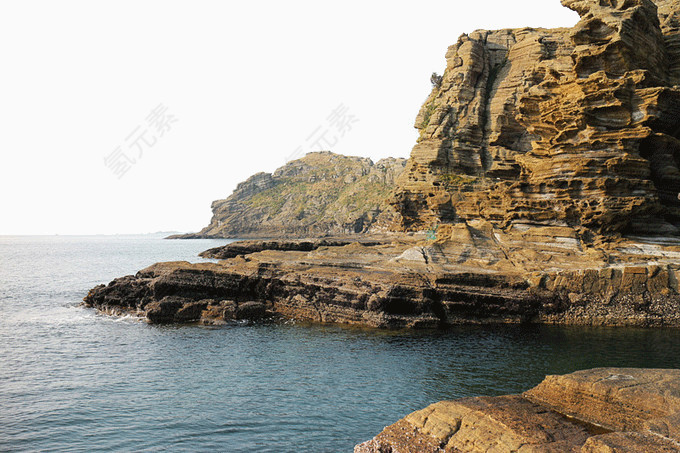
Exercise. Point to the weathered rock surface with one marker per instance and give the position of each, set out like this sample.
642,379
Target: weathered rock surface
566,127
596,411
547,175
471,275
320,194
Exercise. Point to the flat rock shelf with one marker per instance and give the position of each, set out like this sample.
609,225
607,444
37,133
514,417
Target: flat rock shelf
409,281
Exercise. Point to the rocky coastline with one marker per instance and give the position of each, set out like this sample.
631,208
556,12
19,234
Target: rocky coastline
603,410
410,281
543,188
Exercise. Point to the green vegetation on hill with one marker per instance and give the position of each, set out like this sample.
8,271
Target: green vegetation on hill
321,193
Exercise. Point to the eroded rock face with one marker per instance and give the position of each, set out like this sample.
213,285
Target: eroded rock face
566,127
619,400
320,194
600,410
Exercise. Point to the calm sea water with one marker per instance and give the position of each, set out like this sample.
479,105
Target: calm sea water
74,380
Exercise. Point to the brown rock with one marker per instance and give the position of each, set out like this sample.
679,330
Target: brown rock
539,151
505,423
164,310
593,411
250,311
617,399
298,245
554,127
481,276
629,443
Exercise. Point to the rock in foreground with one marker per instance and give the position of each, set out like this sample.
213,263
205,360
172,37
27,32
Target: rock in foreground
603,410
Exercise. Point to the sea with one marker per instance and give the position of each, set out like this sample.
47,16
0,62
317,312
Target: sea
75,380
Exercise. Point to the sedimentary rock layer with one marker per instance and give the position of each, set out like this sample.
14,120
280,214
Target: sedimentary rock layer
409,281
320,194
565,127
596,411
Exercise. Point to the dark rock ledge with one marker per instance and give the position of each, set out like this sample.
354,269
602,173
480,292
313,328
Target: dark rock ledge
412,282
287,245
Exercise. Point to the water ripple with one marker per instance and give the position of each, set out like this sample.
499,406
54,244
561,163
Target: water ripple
75,380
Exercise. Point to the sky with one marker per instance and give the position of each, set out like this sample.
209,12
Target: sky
133,116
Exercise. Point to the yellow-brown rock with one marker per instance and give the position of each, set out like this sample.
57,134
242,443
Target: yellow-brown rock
566,127
603,410
619,400
472,274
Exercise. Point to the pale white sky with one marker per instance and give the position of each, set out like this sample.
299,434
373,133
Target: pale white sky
246,84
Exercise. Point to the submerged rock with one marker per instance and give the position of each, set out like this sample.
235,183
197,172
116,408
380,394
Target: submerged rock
596,411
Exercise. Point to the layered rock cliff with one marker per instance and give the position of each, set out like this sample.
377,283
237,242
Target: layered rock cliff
604,410
573,127
320,194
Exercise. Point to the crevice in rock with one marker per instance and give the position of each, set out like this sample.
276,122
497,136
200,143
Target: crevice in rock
663,153
492,81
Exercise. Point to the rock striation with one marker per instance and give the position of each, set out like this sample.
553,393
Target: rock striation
543,188
409,281
320,194
572,127
602,410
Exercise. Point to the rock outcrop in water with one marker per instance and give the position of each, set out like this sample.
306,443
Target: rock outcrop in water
604,410
543,189
320,194
410,282
541,152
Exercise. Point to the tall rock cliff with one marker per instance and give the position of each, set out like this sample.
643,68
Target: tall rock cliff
564,127
319,194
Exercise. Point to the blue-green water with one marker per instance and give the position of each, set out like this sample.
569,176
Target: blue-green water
74,380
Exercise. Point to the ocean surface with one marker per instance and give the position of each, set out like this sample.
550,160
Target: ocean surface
75,380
